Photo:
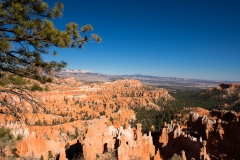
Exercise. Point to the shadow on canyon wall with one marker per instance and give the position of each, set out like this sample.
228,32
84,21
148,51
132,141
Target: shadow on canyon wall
74,151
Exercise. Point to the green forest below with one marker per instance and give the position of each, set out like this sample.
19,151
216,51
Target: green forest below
184,101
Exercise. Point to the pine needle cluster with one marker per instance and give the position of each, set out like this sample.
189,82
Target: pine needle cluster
27,32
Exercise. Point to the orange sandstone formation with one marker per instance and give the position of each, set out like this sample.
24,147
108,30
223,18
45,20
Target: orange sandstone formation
101,138
88,119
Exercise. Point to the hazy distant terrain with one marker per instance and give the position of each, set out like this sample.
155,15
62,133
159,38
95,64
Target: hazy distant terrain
166,82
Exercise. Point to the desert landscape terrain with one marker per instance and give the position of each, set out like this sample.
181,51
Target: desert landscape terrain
101,121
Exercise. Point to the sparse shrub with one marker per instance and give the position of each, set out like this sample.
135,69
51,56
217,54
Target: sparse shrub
44,122
47,111
66,100
67,146
46,88
50,156
71,119
86,116
176,157
133,123
7,142
38,123
102,113
36,87
78,157
14,80
76,133
26,121
15,155
53,122
111,119
19,137
109,155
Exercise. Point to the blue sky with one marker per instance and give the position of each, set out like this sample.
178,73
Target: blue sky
188,39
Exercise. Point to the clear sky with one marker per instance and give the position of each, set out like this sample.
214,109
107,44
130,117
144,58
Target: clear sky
169,38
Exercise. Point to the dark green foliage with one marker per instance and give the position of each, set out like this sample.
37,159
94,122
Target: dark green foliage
28,25
11,79
41,158
8,141
36,87
205,99
19,137
236,107
149,117
5,133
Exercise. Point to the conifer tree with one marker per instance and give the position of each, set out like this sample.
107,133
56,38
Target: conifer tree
26,33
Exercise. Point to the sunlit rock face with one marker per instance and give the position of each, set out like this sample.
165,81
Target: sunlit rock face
98,139
101,138
134,144
114,99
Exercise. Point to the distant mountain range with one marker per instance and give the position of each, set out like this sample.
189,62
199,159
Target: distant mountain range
166,82
77,71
